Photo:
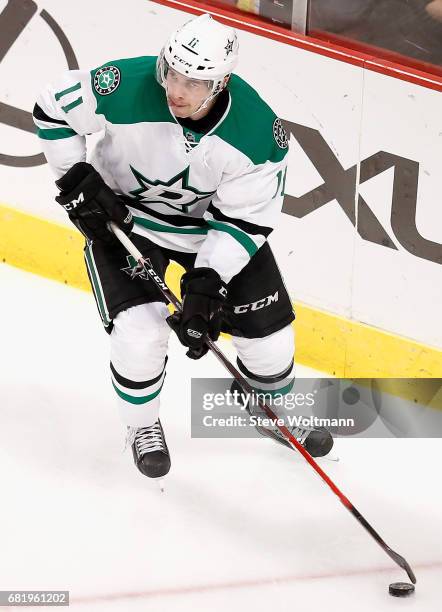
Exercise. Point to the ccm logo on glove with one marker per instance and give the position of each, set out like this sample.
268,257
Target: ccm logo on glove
193,333
71,205
91,204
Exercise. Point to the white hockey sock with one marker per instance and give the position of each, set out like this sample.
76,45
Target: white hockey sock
268,362
138,362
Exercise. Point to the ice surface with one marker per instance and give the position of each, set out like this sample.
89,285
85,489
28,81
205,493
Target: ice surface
243,524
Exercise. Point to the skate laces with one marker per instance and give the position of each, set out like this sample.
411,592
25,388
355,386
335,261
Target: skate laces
300,434
146,439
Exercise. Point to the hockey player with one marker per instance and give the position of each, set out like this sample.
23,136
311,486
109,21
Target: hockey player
192,164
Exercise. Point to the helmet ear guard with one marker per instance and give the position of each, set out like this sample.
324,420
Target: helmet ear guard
220,85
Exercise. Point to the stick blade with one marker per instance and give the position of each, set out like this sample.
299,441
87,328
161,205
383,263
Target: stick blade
403,563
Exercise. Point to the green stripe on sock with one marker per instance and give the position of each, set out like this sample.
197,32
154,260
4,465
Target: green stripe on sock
274,392
137,400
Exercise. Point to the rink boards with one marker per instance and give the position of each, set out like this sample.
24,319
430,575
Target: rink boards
360,240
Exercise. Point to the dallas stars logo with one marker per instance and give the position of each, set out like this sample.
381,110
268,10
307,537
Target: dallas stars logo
175,193
134,270
106,80
280,134
229,47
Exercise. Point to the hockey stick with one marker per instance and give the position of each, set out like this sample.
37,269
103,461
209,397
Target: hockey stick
144,264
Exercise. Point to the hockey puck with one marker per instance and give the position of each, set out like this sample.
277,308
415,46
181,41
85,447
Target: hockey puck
401,589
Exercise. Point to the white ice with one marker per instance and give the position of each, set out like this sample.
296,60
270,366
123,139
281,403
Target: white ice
243,524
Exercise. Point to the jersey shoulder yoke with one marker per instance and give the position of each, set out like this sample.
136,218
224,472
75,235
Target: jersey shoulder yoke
251,126
126,91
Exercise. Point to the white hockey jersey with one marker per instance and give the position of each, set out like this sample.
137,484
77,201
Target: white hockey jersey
218,194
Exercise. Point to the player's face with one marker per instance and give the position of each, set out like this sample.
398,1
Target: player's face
185,96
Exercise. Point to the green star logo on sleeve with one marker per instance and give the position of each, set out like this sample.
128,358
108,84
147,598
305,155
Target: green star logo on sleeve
106,80
176,193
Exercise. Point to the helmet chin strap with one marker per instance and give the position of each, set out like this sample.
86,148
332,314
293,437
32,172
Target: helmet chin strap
203,104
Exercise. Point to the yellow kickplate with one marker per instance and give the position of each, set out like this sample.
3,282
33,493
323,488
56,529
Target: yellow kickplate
324,341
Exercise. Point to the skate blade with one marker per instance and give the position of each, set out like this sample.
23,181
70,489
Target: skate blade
267,433
330,457
160,483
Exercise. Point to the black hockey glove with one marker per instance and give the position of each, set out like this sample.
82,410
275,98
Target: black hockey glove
203,294
90,203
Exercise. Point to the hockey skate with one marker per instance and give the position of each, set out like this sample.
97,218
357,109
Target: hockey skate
317,441
149,448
